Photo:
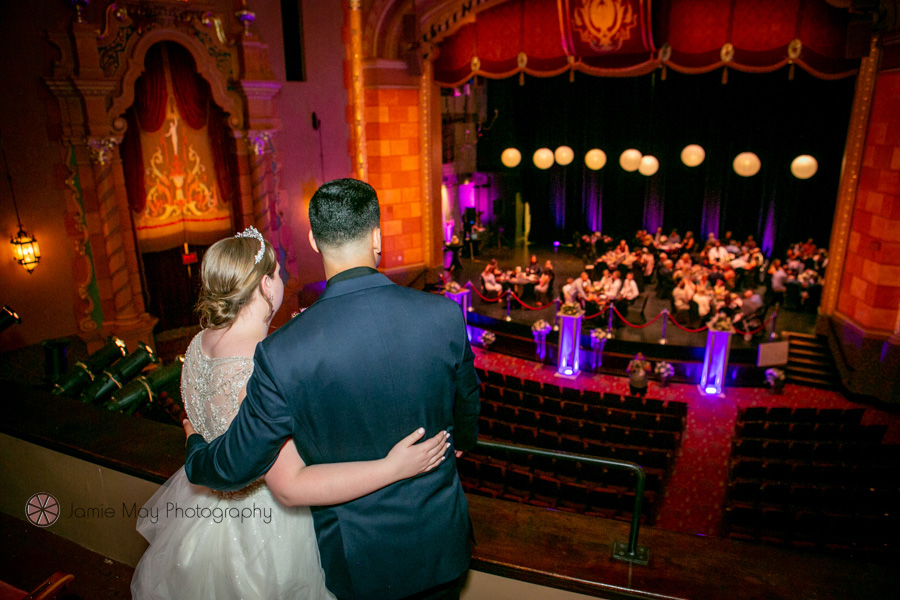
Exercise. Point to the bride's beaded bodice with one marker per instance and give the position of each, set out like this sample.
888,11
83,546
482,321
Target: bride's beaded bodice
212,389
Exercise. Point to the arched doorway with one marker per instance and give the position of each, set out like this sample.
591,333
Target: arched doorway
178,160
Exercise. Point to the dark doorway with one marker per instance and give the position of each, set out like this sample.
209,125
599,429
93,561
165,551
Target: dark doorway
173,287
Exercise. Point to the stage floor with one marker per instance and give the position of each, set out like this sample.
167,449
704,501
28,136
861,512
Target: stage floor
645,308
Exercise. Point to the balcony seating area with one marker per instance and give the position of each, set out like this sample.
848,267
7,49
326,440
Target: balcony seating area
530,413
814,479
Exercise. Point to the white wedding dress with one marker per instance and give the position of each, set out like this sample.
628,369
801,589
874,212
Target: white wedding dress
216,545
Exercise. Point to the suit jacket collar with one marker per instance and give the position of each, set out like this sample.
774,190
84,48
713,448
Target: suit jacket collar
348,286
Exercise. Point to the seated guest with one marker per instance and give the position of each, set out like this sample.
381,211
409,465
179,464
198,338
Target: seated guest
533,267
489,283
605,280
681,297
621,250
714,275
548,271
649,263
750,244
808,249
702,300
688,244
730,277
657,237
614,287
684,262
674,238
720,292
629,289
541,289
751,303
718,254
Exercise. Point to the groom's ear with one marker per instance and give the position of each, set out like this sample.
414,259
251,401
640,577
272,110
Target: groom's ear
376,239
312,242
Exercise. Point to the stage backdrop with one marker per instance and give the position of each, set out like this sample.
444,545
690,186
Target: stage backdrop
776,117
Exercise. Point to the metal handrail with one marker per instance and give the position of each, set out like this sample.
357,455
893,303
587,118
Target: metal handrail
632,552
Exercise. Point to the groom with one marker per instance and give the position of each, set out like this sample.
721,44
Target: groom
366,364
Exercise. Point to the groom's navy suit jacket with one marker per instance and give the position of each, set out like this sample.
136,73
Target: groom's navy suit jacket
361,368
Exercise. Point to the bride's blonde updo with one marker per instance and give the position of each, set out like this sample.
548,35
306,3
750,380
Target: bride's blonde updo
229,277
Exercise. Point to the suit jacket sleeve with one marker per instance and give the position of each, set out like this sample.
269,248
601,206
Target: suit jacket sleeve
251,444
467,405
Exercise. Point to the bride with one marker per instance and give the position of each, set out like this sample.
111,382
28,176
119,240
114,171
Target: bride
247,544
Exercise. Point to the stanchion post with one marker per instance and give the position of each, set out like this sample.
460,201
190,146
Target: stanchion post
665,319
508,294
556,315
609,321
773,336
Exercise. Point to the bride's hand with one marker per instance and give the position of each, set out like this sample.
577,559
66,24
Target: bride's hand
408,458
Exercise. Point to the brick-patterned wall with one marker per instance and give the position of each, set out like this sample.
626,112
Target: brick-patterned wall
392,144
870,287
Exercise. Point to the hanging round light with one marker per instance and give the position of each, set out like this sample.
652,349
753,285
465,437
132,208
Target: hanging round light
511,158
543,158
746,164
595,159
649,165
630,160
693,155
564,155
804,166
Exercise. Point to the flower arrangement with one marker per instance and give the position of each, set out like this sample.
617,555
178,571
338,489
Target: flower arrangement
452,287
570,309
664,370
541,327
721,322
597,335
487,338
775,378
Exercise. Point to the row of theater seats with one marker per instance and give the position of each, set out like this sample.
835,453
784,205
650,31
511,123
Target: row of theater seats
813,478
530,413
561,485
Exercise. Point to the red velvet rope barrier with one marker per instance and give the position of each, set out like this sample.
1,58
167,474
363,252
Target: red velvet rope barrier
474,289
519,300
678,325
647,324
589,317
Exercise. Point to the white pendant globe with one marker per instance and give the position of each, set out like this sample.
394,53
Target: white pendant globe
649,165
804,166
564,155
630,160
693,155
595,159
543,158
511,157
746,164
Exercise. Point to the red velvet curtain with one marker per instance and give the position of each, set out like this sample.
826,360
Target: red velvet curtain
190,90
133,163
192,95
221,142
150,91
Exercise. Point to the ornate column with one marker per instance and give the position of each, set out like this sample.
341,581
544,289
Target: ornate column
357,96
430,171
853,156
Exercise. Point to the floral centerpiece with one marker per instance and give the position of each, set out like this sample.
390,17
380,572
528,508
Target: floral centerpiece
487,338
452,287
721,322
775,378
539,330
664,371
570,309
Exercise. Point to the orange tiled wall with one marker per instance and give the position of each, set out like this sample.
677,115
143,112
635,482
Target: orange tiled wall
392,144
870,287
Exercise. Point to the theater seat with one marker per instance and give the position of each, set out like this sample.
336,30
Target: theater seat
50,588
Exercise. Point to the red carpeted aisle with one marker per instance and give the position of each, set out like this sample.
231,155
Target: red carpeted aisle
696,490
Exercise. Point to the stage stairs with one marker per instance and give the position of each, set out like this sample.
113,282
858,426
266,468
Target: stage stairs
810,362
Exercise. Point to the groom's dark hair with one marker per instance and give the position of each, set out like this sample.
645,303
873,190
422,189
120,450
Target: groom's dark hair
343,210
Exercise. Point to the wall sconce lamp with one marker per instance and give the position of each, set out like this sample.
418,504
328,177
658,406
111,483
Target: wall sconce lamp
26,250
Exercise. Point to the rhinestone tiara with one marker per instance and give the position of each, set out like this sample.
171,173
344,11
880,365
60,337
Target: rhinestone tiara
251,232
